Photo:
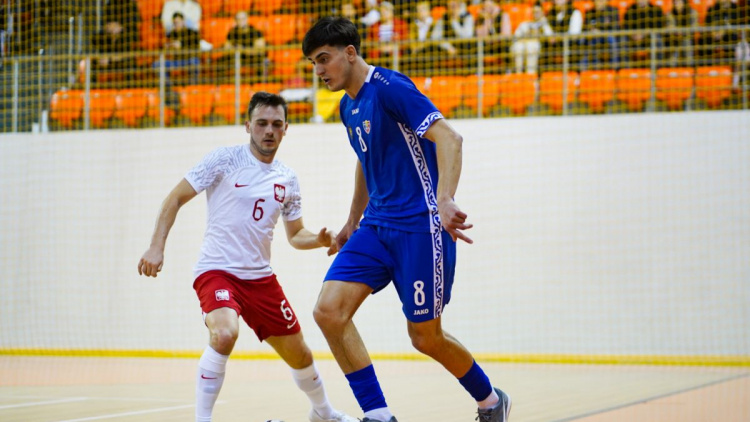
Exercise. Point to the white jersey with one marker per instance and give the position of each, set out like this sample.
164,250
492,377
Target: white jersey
245,198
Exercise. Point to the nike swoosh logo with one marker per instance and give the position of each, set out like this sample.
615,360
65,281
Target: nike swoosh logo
207,378
291,325
237,185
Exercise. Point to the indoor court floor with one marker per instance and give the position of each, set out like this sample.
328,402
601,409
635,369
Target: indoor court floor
68,389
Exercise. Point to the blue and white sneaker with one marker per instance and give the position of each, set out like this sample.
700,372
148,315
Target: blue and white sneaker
499,413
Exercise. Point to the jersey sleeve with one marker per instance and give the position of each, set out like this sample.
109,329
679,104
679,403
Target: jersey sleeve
292,208
209,171
407,104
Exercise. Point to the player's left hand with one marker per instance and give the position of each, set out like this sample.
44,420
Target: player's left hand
454,220
328,238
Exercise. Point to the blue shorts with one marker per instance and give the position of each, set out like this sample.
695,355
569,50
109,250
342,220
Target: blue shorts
421,266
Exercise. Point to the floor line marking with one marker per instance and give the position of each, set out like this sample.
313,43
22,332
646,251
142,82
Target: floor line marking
652,398
43,403
139,412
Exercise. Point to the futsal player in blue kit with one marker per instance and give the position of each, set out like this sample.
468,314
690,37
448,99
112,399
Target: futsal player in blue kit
403,223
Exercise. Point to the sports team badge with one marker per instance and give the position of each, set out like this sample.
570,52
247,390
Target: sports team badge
279,192
221,295
366,125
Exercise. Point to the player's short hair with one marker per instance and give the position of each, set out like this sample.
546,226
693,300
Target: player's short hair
262,98
334,31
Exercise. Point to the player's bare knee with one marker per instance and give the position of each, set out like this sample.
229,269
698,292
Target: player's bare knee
426,344
328,317
223,339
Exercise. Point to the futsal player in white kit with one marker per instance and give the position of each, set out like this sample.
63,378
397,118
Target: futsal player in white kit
247,190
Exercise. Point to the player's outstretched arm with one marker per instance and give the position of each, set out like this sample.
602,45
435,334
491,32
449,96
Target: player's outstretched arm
153,259
449,156
301,238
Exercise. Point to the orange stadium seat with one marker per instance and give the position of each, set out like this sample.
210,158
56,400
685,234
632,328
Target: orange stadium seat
234,6
490,92
280,29
633,87
150,9
596,88
583,6
272,87
267,7
437,12
224,101
304,23
215,30
152,97
445,92
474,9
196,101
701,6
101,106
284,61
674,86
419,82
131,105
152,34
210,8
713,84
66,106
518,91
665,5
518,12
621,6
551,89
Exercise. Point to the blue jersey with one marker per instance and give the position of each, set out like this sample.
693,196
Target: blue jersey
386,123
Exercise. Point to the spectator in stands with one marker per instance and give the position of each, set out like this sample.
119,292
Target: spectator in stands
424,29
642,16
126,13
458,24
372,13
719,46
349,11
564,19
387,32
526,45
491,22
250,40
182,45
680,44
601,20
190,10
113,41
405,9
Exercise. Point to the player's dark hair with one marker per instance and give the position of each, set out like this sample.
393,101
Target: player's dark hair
178,15
334,31
262,98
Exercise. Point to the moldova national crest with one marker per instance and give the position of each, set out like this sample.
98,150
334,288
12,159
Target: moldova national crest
366,126
279,192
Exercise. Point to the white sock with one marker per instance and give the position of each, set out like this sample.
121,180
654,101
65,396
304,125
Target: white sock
490,401
308,380
380,414
210,377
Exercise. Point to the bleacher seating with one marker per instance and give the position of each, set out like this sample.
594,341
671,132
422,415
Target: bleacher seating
674,86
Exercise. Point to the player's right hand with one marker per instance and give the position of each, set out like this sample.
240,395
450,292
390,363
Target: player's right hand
344,235
151,262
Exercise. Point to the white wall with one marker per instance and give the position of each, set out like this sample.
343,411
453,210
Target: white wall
593,235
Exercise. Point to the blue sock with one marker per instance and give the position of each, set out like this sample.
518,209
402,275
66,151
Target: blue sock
364,384
476,383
